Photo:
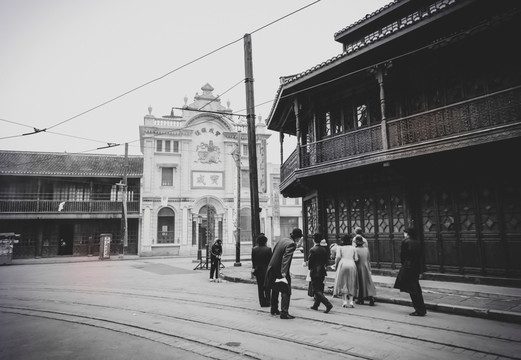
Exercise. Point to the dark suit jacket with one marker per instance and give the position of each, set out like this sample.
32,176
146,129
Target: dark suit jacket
317,262
260,258
280,263
408,276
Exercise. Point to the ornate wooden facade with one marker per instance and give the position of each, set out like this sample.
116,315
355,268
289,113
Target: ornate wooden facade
60,204
417,122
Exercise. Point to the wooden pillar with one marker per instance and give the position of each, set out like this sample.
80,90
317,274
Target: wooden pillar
380,72
297,130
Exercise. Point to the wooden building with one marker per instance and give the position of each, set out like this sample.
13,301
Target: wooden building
417,122
61,203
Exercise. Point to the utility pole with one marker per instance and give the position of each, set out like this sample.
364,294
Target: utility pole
124,221
252,139
238,224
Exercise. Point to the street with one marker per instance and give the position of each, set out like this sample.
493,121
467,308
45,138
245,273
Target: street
163,309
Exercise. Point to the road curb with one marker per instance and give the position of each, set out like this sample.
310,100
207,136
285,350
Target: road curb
504,316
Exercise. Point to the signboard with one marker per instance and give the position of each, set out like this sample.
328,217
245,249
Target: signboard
104,246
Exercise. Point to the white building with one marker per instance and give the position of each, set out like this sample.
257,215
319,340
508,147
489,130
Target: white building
189,194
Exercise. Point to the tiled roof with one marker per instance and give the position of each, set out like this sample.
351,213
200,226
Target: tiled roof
376,36
66,164
365,18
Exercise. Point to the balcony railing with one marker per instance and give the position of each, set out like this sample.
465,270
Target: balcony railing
57,206
466,117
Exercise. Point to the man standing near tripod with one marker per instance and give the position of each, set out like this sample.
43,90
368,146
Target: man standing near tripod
215,259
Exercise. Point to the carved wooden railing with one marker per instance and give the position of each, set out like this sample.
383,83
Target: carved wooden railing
289,166
342,146
467,116
488,111
53,206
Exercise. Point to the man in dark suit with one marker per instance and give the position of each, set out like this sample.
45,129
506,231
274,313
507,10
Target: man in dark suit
278,278
260,258
317,262
408,278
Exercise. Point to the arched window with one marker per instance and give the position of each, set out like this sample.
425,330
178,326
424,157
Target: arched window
165,226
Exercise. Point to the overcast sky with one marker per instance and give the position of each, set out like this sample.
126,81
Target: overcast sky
60,58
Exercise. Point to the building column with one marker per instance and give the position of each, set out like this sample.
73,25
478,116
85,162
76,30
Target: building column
184,226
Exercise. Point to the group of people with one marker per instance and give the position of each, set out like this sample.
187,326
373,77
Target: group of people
353,270
353,281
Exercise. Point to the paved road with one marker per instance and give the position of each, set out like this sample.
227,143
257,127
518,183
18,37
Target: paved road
163,309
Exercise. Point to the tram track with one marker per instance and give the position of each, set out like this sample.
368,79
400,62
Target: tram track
332,348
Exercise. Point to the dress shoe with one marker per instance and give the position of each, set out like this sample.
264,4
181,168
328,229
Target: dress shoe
286,316
265,305
371,301
314,308
416,314
328,309
360,302
275,312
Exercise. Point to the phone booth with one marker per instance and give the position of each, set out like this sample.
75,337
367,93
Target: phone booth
104,246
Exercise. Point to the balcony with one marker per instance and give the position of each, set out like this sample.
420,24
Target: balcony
68,207
482,119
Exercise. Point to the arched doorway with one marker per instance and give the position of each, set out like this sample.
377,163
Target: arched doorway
166,226
206,226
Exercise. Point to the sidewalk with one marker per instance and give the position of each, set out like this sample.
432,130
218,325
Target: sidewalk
483,301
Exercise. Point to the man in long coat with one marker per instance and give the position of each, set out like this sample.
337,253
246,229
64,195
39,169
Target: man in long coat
408,279
317,262
278,277
260,258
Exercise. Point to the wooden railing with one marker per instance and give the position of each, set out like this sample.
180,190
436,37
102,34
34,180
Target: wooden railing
54,206
466,117
341,146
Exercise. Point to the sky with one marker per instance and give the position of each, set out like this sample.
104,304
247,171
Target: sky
60,58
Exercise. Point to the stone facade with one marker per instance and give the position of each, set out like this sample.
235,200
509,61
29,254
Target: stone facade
189,187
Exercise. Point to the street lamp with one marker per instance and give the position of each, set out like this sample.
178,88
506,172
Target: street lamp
237,156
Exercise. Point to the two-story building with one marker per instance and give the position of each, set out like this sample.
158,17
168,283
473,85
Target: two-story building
61,203
190,182
417,122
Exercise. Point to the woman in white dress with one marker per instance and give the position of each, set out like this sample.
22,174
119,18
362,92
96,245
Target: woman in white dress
346,282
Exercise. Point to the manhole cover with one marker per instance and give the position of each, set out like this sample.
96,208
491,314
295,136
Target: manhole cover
233,344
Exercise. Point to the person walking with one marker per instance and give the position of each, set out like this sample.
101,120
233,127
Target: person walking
260,258
317,263
278,278
366,288
346,282
215,259
408,278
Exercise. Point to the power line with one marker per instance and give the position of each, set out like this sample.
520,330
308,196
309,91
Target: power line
178,68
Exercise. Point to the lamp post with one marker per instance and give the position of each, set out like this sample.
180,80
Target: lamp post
237,157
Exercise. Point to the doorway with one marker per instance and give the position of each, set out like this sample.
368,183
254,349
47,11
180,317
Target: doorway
66,239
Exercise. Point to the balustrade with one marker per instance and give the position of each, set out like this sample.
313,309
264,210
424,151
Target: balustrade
466,117
53,206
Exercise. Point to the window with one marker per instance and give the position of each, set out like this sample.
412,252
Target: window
244,150
167,176
159,145
167,145
165,226
176,146
245,179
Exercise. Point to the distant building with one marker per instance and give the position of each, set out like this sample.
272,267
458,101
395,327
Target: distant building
417,122
283,214
61,203
189,193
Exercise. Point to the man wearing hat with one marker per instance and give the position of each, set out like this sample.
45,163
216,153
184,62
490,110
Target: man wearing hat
278,278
